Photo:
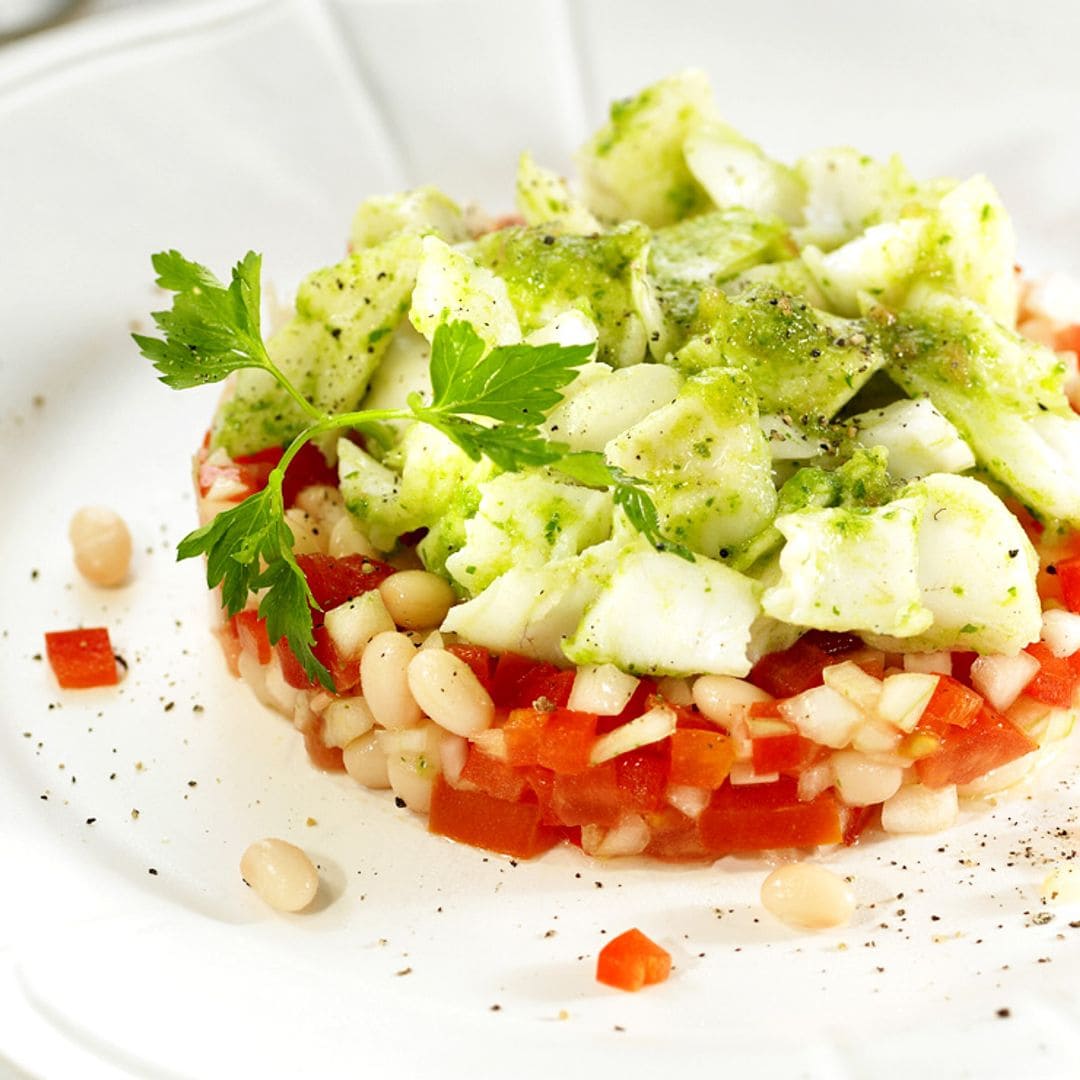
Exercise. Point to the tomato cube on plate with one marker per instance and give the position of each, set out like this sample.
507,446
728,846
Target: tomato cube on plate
81,659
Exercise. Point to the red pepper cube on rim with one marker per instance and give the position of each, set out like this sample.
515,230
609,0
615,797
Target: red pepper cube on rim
81,659
632,961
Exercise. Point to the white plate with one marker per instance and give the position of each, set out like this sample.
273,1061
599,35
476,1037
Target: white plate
228,126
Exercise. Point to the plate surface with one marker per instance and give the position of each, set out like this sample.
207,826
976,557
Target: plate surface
128,945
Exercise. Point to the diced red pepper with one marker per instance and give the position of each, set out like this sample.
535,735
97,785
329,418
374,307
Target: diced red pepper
519,681
592,797
785,674
344,673
334,580
82,659
1067,339
673,836
307,468
494,777
251,633
1055,681
1068,576
951,705
857,819
756,817
632,961
700,758
967,753
642,776
474,817
777,753
567,741
478,658
542,784
523,730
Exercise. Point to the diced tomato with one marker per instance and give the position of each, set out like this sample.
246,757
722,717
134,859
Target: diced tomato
523,730
961,666
567,742
592,797
518,682
334,580
1055,681
251,633
755,817
493,777
474,817
967,753
82,659
478,658
951,705
632,961
542,784
307,468
785,674
700,758
249,472
344,673
642,776
1068,576
831,642
291,670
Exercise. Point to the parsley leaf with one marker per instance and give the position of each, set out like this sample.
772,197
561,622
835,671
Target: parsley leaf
249,547
510,446
211,330
515,384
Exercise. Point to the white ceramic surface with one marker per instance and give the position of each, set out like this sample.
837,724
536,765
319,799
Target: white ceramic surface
224,126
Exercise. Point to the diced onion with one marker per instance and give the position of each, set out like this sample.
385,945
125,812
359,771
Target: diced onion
1001,679
1004,776
688,800
904,698
918,809
823,715
849,679
742,773
352,625
453,750
1061,632
601,689
930,663
649,727
676,691
814,780
492,742
629,837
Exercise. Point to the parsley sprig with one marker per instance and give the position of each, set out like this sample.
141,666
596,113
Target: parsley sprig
490,402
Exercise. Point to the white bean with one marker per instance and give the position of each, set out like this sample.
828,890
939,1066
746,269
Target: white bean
449,692
863,782
413,759
101,544
384,678
416,599
365,761
280,873
808,896
724,699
